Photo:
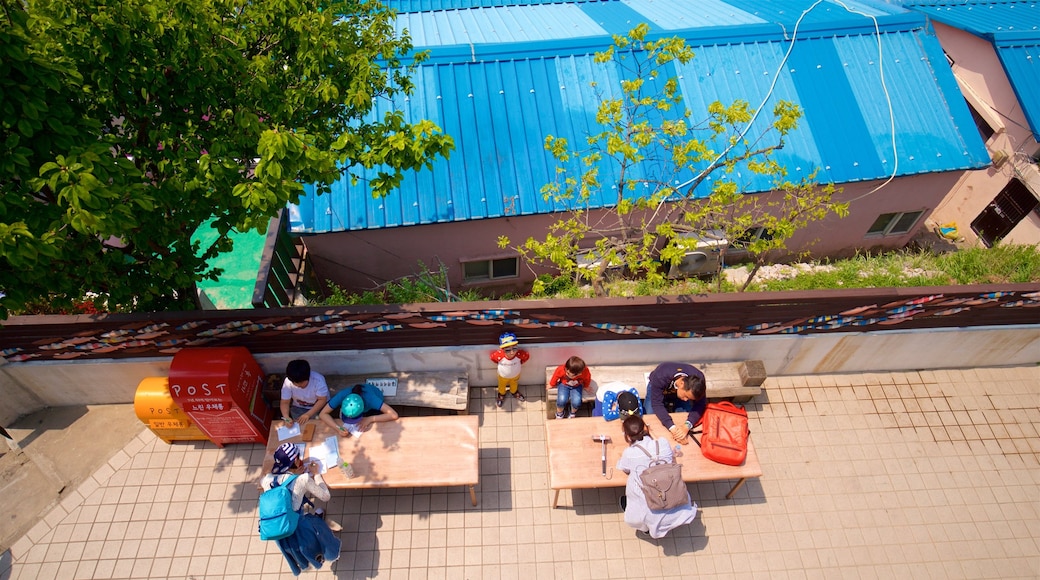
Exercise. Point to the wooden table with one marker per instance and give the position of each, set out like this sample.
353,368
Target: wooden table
575,458
409,452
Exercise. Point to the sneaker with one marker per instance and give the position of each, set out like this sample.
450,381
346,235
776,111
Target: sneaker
334,525
520,396
498,401
559,415
571,416
623,502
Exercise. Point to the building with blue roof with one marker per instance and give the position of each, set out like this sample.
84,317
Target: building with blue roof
994,52
883,118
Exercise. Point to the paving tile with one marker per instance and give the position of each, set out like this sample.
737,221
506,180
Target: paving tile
946,478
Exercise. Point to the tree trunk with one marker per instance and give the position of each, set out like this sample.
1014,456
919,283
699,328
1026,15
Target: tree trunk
751,276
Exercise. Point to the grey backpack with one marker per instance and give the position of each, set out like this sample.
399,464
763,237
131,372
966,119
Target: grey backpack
662,482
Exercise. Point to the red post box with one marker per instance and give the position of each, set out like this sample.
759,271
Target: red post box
220,388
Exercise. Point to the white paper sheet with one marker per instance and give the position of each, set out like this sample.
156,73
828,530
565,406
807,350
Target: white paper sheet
353,428
327,452
288,432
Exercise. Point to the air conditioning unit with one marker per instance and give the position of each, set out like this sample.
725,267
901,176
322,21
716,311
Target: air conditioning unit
703,256
590,261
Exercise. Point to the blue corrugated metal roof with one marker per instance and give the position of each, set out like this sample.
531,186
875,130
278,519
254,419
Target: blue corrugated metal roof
985,19
448,22
403,6
500,101
1014,29
497,25
1021,60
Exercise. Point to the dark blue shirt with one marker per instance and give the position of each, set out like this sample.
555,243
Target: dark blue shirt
660,385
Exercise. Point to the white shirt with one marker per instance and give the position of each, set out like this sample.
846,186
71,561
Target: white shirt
509,368
306,396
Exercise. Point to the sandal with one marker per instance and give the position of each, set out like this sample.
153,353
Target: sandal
498,400
520,396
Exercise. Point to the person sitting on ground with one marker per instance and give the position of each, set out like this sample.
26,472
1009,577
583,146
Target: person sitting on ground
304,392
675,387
569,379
364,401
633,461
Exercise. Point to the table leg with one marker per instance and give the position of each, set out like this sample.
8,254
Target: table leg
556,498
473,494
735,488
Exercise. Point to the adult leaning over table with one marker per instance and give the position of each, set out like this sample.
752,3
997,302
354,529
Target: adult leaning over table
360,407
675,387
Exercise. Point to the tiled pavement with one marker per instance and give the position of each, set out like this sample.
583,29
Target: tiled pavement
932,474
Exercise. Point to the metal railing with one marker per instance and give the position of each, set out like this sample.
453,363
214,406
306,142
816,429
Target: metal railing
282,279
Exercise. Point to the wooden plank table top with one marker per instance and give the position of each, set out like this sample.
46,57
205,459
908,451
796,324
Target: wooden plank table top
575,458
430,451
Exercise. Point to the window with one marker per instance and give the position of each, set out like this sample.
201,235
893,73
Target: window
752,235
890,224
494,269
1002,214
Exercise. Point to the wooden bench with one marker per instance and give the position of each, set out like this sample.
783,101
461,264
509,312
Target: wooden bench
575,458
738,381
436,451
434,389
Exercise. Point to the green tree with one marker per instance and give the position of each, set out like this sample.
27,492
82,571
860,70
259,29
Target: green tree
651,148
125,124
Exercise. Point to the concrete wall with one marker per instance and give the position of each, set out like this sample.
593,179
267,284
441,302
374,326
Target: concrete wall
28,387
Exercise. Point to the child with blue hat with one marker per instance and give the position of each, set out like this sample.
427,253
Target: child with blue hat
509,356
358,408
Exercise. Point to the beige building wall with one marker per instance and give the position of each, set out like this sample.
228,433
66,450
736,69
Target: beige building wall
986,87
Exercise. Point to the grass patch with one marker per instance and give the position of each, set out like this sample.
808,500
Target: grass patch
899,269
1001,264
906,269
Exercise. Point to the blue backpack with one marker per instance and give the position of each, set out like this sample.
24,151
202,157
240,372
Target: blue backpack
278,519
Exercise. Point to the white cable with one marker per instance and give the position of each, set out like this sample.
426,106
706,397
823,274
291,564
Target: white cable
769,94
776,77
888,100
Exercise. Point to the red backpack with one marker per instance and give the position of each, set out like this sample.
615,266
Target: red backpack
725,433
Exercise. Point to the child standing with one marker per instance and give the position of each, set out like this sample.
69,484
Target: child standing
569,379
509,357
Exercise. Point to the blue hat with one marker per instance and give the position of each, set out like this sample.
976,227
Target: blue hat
284,457
352,406
507,340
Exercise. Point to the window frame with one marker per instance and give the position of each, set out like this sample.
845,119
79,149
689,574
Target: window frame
750,236
896,218
490,265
